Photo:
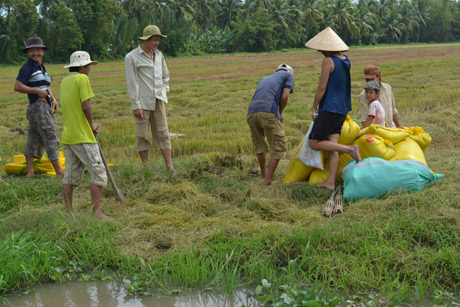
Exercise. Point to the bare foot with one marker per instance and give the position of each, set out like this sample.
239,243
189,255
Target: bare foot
355,153
3,182
103,217
268,183
30,174
327,186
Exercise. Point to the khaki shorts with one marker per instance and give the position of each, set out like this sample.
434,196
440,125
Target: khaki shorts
77,156
158,125
265,124
41,132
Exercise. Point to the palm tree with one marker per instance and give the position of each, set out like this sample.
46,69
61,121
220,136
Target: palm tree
423,12
366,26
312,16
205,13
279,12
393,29
409,19
228,9
182,9
341,18
123,35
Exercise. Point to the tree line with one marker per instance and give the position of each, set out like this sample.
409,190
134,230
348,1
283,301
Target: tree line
108,29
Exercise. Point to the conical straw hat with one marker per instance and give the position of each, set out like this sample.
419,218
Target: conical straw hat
327,40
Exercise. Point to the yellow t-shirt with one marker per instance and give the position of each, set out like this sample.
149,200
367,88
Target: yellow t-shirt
75,89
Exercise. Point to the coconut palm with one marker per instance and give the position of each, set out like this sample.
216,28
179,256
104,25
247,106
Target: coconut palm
312,16
205,13
423,12
409,19
182,9
228,9
368,19
340,17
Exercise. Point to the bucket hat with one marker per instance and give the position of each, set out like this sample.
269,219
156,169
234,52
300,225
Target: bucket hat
34,42
372,85
150,31
79,59
327,40
370,72
285,67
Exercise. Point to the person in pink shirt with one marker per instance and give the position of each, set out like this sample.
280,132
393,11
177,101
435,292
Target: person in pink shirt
375,112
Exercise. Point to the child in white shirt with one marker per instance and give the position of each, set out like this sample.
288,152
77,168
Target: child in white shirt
375,113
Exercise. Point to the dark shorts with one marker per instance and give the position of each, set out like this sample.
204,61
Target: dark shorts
327,123
42,132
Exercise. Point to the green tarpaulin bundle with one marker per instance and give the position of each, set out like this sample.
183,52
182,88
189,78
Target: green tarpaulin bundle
375,177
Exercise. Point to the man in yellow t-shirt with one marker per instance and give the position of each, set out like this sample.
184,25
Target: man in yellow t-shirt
78,138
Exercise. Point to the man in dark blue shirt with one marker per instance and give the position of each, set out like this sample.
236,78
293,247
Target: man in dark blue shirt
34,81
265,115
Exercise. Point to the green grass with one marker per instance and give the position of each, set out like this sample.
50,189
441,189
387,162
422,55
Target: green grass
214,226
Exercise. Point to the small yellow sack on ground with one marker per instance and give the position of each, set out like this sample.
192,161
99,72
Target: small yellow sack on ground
297,171
371,145
394,135
350,130
408,150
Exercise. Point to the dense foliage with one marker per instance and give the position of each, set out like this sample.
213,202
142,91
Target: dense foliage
108,28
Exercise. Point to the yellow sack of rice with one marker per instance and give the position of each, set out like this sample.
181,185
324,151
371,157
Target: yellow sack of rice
408,150
350,130
394,135
422,138
371,145
319,176
297,171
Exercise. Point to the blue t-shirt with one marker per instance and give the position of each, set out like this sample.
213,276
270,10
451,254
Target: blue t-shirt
268,92
337,98
32,75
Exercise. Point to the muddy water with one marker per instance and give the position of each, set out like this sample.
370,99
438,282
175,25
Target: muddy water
112,294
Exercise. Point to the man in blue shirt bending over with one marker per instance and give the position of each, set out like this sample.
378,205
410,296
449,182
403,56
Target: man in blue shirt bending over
265,115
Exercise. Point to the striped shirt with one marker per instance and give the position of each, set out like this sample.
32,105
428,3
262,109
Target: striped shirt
34,75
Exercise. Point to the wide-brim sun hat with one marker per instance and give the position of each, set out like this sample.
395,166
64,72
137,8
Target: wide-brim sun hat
285,67
79,59
150,31
327,40
34,42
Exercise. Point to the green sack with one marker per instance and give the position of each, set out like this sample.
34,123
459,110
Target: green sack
375,177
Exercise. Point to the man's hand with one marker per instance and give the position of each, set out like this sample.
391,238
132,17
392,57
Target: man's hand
54,105
139,113
282,117
41,93
95,128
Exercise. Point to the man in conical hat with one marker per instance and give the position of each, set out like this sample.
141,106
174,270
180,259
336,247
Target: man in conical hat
332,101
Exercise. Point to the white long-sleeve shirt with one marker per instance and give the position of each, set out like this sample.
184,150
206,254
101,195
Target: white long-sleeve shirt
146,80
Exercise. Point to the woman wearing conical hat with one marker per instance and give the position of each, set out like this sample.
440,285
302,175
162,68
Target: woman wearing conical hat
332,101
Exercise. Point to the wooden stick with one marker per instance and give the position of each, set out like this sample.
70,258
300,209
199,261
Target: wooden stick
119,195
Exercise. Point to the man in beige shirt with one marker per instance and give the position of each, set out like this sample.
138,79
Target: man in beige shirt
387,99
147,79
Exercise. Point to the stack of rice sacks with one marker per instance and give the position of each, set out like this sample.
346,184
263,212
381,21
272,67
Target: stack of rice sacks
390,144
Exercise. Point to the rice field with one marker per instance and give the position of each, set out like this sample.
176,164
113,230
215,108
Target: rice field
214,225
